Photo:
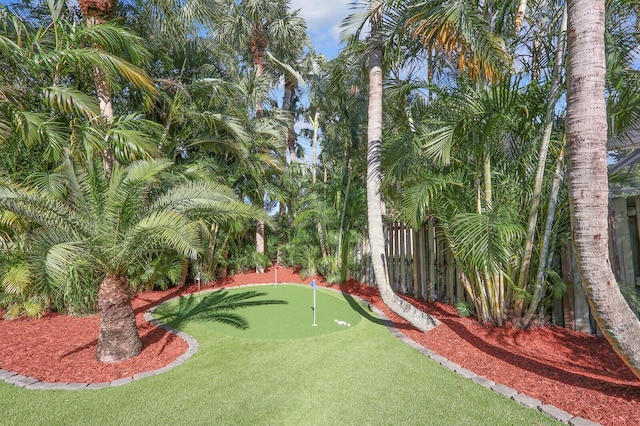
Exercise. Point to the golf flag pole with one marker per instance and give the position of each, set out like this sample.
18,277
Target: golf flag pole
275,280
198,280
315,288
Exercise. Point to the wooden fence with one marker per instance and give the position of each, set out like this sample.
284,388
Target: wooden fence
420,264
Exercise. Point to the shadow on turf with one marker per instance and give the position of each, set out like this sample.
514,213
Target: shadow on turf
217,306
365,313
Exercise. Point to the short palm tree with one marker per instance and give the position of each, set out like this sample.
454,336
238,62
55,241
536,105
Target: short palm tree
110,227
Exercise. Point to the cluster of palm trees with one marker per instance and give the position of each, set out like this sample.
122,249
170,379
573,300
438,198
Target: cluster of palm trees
483,149
143,141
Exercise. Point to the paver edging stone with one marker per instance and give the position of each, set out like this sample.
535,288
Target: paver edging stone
550,410
35,384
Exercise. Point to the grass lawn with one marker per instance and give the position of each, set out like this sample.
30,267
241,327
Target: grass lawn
331,375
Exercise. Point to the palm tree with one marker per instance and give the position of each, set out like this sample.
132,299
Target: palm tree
110,226
99,12
456,29
58,112
587,169
254,28
419,319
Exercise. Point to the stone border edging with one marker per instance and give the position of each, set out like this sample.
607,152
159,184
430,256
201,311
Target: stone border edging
524,400
35,384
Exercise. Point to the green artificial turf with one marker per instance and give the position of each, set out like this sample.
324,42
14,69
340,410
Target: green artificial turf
356,375
281,312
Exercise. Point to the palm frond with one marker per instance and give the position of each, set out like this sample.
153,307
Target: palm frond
165,228
71,101
16,280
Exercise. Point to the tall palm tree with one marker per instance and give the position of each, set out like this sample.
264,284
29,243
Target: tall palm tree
587,177
58,112
110,227
255,27
453,28
419,319
99,12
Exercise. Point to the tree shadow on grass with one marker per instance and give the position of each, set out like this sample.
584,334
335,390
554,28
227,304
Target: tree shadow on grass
366,313
217,306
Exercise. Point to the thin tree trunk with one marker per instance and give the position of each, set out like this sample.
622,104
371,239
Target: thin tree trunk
554,95
545,256
520,14
486,173
289,86
258,48
103,93
341,253
260,243
316,125
118,339
419,319
587,178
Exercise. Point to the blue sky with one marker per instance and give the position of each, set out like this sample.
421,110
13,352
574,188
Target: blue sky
323,22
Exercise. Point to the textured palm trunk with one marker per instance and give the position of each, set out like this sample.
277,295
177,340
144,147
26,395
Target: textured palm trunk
289,87
417,318
100,12
118,339
587,178
260,243
258,48
520,14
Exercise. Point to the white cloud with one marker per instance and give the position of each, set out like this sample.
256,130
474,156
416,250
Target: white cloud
322,15
323,19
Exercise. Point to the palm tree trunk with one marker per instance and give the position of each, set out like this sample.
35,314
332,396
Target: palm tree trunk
520,14
118,339
289,86
99,12
258,47
587,177
545,255
260,243
417,318
486,173
534,207
316,124
343,246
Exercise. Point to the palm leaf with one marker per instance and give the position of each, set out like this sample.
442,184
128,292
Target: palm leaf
167,228
70,100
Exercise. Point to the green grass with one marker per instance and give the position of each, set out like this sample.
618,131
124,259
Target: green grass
343,376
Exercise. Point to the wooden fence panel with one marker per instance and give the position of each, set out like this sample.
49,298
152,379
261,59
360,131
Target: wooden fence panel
420,264
622,241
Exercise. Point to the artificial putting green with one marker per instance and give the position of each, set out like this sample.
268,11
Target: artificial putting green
284,311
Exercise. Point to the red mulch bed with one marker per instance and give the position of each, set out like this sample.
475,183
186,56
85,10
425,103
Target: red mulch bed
577,373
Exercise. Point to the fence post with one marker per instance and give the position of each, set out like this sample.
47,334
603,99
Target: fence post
622,238
402,270
432,250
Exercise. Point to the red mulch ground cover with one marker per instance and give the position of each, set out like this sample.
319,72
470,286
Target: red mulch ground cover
577,373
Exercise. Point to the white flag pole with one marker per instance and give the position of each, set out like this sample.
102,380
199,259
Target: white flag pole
315,288
198,280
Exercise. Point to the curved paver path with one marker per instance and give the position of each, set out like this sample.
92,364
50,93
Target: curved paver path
522,399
